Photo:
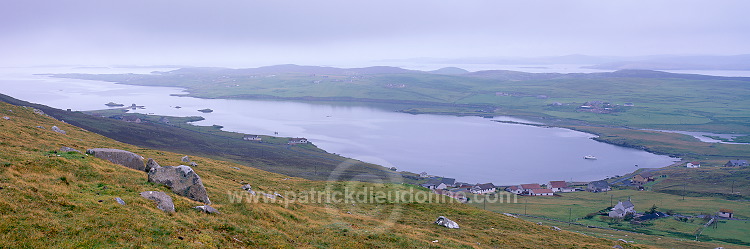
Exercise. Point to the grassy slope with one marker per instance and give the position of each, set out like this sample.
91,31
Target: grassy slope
53,201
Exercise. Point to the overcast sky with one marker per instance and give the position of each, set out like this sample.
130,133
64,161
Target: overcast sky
336,32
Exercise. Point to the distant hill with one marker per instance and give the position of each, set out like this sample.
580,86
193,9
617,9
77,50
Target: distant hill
736,62
291,68
450,71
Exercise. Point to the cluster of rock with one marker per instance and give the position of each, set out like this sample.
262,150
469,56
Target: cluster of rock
181,179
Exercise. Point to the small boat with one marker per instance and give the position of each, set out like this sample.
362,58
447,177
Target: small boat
205,110
590,157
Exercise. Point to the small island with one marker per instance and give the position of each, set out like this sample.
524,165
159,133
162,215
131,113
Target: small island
113,104
206,110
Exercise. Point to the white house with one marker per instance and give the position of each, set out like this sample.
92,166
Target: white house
621,209
298,141
693,165
560,186
726,213
514,189
540,191
483,188
252,138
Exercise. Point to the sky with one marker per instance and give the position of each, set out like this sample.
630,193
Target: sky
243,33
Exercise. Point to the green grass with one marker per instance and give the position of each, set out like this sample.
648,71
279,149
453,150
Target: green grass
576,206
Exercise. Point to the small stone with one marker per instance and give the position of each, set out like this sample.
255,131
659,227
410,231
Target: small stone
186,159
180,237
236,168
58,130
120,201
247,187
40,127
163,201
442,221
193,164
6,118
207,209
68,149
101,200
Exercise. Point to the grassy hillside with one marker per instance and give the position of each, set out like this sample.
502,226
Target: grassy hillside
54,199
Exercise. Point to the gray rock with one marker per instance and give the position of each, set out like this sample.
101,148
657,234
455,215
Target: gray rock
151,164
247,187
118,200
236,168
163,201
40,127
186,159
121,157
442,221
207,209
193,164
6,118
58,130
182,180
68,149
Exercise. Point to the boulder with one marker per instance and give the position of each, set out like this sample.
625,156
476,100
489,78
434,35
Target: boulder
118,200
193,164
182,180
6,118
163,201
58,130
68,149
121,157
207,209
442,221
186,159
151,164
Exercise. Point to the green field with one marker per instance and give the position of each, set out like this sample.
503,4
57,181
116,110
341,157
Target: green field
578,205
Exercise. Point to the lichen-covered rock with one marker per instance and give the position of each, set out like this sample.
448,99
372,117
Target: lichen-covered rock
186,159
207,209
193,164
58,130
121,157
120,201
446,222
163,201
182,180
151,164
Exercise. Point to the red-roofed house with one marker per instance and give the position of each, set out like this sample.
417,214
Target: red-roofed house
530,186
693,165
514,189
558,186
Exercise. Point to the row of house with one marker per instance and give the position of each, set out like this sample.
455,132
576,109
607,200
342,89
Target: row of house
450,185
730,163
299,140
535,189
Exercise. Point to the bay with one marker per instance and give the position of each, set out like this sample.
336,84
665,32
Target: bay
470,149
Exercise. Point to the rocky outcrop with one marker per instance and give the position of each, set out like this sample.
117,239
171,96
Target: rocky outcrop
58,130
442,221
207,209
121,157
182,180
163,201
151,164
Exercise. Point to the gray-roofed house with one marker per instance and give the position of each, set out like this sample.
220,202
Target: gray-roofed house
483,188
598,186
736,163
621,209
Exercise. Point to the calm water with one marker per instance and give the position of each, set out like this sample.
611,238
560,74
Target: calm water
471,149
